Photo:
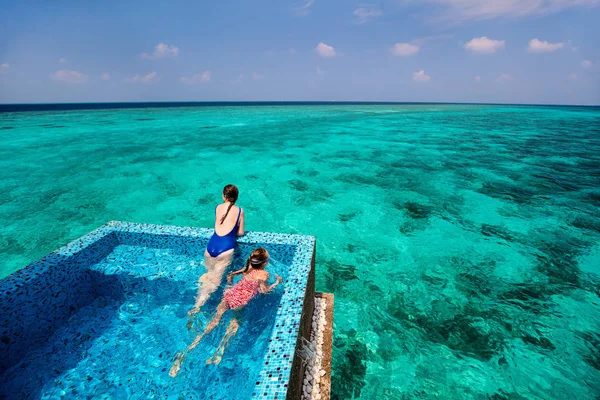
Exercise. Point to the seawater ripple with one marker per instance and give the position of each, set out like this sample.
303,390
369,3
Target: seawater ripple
461,241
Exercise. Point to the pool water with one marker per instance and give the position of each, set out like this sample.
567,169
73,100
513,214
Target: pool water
462,242
121,344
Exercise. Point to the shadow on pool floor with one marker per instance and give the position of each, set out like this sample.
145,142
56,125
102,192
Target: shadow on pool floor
63,347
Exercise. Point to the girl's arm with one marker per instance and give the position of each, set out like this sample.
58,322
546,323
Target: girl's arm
240,231
231,275
266,289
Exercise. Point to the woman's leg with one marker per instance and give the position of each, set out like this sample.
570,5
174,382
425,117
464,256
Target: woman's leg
211,279
232,329
221,308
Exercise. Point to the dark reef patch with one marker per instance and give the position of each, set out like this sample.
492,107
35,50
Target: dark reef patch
355,179
413,209
529,296
592,358
337,274
461,332
206,199
594,197
346,217
539,341
151,158
498,231
350,366
586,222
558,260
310,173
519,194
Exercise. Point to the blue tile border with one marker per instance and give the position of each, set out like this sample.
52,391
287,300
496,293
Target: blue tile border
273,379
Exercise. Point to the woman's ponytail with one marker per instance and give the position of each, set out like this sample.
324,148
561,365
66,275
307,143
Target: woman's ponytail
230,192
227,212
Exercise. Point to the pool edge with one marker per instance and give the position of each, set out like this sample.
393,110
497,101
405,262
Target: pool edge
325,384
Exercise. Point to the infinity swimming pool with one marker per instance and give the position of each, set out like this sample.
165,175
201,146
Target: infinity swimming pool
103,317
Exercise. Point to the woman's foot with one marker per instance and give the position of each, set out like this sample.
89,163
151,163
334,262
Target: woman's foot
176,365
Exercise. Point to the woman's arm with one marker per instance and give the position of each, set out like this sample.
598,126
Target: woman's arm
266,289
240,231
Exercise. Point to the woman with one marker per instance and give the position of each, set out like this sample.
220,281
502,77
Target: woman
229,223
235,298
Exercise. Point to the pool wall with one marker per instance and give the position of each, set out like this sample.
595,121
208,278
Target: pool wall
39,298
298,366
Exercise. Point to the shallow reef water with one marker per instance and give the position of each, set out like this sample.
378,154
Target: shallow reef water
461,241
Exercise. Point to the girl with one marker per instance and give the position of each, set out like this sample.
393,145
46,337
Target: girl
229,223
254,281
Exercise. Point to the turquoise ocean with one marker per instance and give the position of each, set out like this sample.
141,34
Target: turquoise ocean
462,242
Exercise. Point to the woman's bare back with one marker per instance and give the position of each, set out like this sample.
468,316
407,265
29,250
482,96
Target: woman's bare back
230,221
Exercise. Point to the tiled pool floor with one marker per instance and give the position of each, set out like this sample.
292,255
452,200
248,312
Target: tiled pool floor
123,342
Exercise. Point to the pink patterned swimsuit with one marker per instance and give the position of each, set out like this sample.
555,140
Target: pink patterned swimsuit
242,292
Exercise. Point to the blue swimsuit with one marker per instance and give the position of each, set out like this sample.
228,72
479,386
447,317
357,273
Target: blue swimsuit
220,244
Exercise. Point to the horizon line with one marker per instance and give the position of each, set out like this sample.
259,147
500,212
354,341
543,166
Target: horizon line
43,106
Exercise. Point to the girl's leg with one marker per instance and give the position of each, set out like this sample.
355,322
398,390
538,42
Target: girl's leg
232,329
211,279
222,307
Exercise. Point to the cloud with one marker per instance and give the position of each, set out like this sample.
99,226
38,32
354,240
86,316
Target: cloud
464,10
320,72
62,60
404,49
572,76
325,50
303,9
587,64
148,78
420,76
409,49
105,76
67,76
538,46
366,14
257,76
162,50
196,78
4,67
504,78
483,45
